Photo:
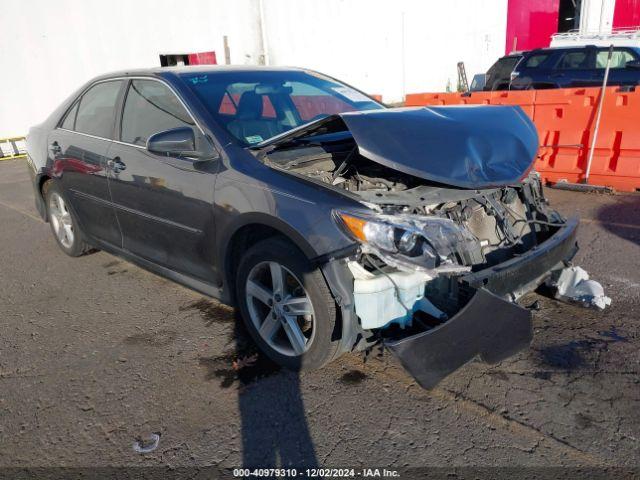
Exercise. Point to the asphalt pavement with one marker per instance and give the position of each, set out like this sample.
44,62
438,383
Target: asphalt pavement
98,355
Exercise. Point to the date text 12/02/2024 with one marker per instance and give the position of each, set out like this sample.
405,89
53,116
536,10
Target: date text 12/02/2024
316,472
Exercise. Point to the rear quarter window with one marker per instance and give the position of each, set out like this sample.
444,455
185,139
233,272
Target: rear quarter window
69,121
503,67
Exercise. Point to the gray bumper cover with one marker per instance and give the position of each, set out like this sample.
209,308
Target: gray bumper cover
488,327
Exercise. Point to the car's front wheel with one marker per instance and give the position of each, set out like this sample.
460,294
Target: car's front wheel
286,305
63,222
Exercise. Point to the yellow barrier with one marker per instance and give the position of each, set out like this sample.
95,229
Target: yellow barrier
14,147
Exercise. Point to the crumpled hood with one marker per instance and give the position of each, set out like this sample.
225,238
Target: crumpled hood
469,146
463,146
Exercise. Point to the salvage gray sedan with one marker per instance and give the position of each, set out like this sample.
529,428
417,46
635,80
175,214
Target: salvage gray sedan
331,222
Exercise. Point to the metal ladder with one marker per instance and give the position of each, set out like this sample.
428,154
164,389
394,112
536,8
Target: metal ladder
462,78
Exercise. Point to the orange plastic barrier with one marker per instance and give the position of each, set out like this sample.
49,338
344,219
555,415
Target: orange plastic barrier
420,99
525,98
565,120
616,159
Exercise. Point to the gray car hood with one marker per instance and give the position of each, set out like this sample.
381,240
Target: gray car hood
463,146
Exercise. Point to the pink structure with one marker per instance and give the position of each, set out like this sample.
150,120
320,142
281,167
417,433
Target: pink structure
530,23
626,14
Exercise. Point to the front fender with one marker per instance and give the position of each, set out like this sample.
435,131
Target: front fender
266,220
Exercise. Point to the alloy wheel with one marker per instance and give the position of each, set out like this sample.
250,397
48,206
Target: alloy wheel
280,308
60,219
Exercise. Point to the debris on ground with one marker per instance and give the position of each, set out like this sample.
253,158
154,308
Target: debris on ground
572,284
147,445
242,362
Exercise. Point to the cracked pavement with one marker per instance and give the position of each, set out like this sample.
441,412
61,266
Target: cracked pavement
96,354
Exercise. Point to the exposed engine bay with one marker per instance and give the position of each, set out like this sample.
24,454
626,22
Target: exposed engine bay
454,228
423,235
452,231
495,224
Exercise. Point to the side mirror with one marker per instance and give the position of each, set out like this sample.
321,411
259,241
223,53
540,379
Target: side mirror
633,64
175,142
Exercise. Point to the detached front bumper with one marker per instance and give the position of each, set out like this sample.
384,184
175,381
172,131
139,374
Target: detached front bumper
487,326
490,326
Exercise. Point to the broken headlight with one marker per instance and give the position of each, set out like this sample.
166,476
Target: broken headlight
412,242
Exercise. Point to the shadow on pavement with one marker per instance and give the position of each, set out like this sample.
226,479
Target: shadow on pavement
274,428
622,218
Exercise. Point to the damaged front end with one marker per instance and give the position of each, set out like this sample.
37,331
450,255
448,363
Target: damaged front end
449,295
453,229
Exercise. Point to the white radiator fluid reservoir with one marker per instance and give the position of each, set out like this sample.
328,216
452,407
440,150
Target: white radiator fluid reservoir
376,297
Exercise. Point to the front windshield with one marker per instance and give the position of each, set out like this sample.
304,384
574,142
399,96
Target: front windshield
255,106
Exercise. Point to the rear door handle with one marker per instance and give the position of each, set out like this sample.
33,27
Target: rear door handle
116,165
54,149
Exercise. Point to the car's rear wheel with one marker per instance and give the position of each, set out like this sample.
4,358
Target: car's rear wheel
286,305
63,222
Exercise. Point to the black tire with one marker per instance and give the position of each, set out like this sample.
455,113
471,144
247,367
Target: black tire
78,246
322,347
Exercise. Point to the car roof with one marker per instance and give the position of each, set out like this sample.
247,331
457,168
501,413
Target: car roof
198,69
576,47
555,49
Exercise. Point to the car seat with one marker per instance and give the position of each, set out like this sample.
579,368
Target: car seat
249,125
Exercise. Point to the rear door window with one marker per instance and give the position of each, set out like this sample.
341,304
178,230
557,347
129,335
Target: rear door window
151,107
575,60
96,111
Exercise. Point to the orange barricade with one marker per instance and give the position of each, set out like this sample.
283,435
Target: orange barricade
565,120
419,99
525,98
616,159
478,98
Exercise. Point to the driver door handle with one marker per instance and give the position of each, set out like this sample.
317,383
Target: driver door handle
116,165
